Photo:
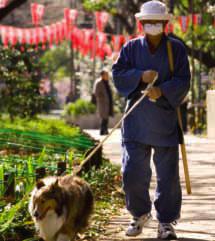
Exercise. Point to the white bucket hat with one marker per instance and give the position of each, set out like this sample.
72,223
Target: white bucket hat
153,10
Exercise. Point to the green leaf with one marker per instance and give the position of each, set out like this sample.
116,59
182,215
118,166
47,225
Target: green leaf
1,179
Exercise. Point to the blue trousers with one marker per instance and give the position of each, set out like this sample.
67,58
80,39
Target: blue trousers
137,174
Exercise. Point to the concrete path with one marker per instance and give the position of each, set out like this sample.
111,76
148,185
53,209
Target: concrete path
198,210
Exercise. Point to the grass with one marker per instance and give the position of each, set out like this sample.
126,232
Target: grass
29,144
47,126
33,135
15,221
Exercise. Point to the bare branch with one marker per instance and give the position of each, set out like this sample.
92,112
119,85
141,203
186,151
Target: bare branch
10,7
206,57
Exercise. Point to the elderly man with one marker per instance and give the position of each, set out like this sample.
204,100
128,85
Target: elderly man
153,124
104,100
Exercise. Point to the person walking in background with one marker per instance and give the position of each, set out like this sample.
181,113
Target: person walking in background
152,124
104,100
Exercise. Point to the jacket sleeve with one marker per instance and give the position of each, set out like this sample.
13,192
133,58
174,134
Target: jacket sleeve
99,91
125,77
178,86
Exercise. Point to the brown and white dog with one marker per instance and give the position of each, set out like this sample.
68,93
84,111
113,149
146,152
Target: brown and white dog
61,207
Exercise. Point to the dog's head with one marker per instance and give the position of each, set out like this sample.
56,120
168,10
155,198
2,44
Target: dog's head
45,198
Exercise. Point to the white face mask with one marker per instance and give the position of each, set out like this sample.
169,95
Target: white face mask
153,29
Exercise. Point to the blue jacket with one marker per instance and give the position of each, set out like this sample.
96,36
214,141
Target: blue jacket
153,123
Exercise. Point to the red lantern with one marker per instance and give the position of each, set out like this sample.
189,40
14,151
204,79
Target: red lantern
117,42
70,15
43,37
56,34
3,3
101,20
100,41
19,35
197,19
28,36
169,28
184,22
59,32
107,49
63,29
23,41
52,35
12,36
37,37
5,36
139,27
32,36
37,12
73,15
87,44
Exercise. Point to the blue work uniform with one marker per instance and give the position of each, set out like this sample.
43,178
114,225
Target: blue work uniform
152,125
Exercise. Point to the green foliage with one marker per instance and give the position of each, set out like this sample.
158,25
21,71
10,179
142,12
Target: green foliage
20,76
98,179
80,107
1,180
16,223
57,62
47,142
47,126
7,217
49,136
99,5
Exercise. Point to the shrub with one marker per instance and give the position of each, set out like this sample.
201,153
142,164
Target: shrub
20,77
80,107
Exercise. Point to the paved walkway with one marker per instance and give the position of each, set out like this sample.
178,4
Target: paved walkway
198,210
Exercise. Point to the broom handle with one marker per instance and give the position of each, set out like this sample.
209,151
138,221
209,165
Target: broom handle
183,147
184,155
117,125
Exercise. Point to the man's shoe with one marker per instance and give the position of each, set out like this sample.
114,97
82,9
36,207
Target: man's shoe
136,226
166,231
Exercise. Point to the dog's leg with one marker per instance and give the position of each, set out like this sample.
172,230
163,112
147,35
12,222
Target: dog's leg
63,237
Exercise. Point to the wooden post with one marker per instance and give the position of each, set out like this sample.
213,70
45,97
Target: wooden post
94,51
40,173
73,88
193,119
184,155
61,168
9,184
93,157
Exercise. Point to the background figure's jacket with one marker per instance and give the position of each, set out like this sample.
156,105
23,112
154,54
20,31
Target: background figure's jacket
153,123
102,100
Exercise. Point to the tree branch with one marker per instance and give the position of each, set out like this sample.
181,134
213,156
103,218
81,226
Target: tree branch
205,57
10,7
124,21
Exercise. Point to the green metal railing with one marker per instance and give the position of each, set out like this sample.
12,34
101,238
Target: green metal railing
28,151
35,141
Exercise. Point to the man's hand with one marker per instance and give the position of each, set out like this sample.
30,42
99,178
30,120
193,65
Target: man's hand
148,76
154,93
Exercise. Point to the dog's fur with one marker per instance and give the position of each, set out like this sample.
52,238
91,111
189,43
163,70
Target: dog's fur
60,207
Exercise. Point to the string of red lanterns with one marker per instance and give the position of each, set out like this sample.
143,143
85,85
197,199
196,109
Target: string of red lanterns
83,40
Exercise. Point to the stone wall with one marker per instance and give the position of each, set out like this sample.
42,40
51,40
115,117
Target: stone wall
92,121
